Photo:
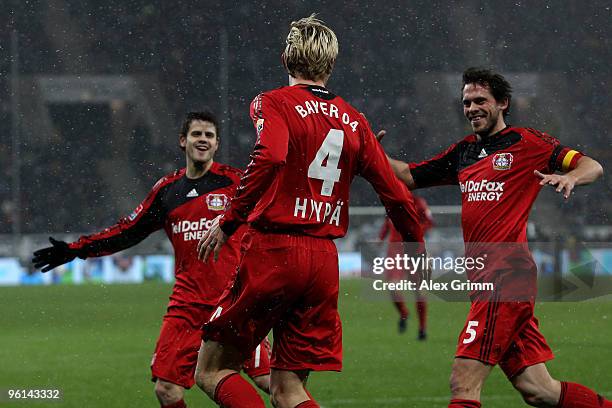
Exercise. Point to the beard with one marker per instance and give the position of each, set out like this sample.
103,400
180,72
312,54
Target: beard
485,129
486,124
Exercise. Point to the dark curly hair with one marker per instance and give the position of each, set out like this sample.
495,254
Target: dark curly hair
500,88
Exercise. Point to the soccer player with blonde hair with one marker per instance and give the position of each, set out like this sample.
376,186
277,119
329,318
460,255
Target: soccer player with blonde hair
294,198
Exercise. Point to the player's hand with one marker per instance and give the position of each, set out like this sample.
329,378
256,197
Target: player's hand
212,241
564,182
53,256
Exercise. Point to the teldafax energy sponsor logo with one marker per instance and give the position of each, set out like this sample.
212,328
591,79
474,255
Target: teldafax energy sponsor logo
483,190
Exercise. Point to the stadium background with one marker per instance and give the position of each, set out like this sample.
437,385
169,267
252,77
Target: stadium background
91,96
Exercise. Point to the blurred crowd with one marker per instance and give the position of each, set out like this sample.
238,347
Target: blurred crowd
382,51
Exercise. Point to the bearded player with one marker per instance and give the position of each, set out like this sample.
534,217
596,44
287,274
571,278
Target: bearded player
294,197
500,170
184,204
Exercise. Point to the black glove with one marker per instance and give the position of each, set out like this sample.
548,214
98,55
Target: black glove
53,256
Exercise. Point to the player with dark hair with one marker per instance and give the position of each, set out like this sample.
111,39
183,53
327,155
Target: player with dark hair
396,275
498,86
294,197
184,204
500,170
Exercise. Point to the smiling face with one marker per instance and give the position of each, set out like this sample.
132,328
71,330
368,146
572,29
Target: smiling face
200,144
484,113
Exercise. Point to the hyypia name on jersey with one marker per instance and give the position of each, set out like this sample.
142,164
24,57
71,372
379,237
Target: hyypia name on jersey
192,229
328,109
318,209
483,190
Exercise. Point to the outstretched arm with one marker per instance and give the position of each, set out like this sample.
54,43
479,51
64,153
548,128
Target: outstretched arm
402,172
145,219
586,171
398,201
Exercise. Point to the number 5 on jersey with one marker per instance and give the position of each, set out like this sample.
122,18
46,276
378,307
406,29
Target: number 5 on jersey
330,173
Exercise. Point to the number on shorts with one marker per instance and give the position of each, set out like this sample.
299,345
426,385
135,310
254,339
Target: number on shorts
470,331
330,173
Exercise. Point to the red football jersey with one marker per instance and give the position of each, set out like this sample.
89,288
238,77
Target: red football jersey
185,209
498,187
496,179
310,145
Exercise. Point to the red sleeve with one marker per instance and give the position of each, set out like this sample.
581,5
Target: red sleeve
394,195
563,159
147,218
560,158
437,171
269,153
567,159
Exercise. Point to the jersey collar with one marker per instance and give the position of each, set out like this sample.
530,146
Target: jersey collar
319,91
214,169
494,135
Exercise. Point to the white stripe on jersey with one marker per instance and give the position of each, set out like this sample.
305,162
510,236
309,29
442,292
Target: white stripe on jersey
257,355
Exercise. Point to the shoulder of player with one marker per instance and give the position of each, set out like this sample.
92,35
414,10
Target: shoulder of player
168,179
229,171
274,96
284,93
471,138
463,143
351,110
533,136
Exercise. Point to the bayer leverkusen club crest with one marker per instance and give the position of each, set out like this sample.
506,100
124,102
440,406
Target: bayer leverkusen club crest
216,202
502,161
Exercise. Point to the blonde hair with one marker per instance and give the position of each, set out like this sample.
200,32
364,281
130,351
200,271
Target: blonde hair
311,49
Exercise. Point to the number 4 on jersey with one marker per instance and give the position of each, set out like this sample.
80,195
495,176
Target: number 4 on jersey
330,173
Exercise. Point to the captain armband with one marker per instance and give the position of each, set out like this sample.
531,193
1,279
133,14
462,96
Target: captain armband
564,159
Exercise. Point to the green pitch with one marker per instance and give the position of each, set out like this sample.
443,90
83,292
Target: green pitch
95,343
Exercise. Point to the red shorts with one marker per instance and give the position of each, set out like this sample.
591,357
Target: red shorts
504,333
176,352
288,283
